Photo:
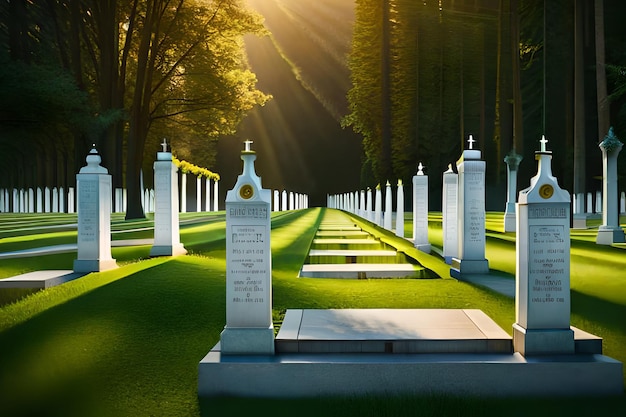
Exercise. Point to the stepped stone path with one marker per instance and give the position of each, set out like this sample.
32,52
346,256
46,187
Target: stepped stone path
341,249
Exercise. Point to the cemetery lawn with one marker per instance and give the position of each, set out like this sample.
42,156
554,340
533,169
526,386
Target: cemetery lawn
127,342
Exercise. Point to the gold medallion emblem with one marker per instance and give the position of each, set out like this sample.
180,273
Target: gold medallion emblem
246,191
546,191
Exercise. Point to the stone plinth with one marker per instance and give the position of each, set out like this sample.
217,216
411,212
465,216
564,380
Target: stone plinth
94,217
166,220
512,161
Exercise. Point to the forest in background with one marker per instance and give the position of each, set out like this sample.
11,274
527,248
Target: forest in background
427,74
449,71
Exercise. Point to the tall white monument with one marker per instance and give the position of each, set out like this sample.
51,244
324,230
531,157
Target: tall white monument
249,327
388,207
94,217
449,215
420,210
610,232
471,215
166,224
542,296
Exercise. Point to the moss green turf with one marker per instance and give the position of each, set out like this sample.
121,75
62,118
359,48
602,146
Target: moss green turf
127,342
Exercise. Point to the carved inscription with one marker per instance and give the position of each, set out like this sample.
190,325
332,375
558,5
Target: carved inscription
547,264
87,211
248,265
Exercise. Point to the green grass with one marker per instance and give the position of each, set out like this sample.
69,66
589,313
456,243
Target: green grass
127,342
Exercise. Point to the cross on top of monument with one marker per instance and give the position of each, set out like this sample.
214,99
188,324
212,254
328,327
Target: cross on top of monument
164,144
420,169
543,143
471,142
247,144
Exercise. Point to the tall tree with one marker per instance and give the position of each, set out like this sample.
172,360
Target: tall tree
601,88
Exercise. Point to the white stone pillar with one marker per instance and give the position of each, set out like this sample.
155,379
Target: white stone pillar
39,198
471,215
378,204
589,203
61,200
166,220
22,201
71,206
362,209
388,207
183,193
400,210
216,194
420,210
622,202
369,212
283,204
47,205
207,194
598,207
512,161
31,200
198,194
542,297
610,232
94,217
249,328
450,215
276,201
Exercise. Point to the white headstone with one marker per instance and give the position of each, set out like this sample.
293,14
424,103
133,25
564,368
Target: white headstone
207,194
542,298
39,199
598,201
400,210
388,207
420,210
589,203
94,217
249,328
31,200
283,198
369,212
276,201
512,161
378,210
166,220
71,206
471,215
216,193
55,200
610,231
622,202
362,210
198,193
183,193
46,207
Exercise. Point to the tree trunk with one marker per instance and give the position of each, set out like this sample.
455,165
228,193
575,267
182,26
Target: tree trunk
518,122
603,102
386,170
579,100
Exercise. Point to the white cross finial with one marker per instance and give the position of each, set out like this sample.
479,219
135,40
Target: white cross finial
247,143
164,144
543,143
471,142
420,169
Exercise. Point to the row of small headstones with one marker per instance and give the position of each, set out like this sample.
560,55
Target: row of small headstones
56,200
351,202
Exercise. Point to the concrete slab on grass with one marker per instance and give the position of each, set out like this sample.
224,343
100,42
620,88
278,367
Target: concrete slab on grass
40,279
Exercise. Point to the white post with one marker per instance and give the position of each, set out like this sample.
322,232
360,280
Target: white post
283,204
183,193
198,193
400,210
369,212
450,214
276,201
71,206
207,194
31,200
46,200
61,200
216,193
378,207
388,207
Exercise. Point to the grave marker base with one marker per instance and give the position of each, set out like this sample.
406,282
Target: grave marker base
94,265
530,342
460,267
608,235
331,373
168,250
249,341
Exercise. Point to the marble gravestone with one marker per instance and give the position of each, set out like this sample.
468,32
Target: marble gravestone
94,217
449,215
471,215
249,328
542,296
420,210
512,161
166,224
